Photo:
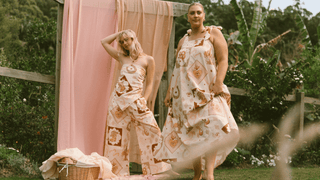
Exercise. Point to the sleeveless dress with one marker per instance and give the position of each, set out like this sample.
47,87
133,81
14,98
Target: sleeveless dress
131,131
197,118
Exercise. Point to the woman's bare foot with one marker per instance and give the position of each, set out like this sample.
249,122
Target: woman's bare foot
208,176
197,177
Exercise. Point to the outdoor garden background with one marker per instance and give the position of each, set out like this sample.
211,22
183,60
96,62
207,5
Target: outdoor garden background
272,53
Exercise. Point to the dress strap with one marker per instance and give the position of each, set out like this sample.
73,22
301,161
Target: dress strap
186,39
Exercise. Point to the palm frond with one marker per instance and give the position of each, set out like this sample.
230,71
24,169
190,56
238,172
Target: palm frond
242,25
304,32
318,32
256,25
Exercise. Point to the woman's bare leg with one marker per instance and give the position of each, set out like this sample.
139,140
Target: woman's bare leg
210,161
197,169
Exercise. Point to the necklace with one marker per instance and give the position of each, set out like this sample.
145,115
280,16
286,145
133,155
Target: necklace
132,68
133,60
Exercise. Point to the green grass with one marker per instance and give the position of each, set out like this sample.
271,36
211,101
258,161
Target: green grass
18,178
240,174
256,174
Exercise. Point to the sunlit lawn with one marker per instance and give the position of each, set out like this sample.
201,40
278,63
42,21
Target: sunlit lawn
240,174
257,174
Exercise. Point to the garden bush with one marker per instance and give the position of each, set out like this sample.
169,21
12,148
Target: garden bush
27,108
13,162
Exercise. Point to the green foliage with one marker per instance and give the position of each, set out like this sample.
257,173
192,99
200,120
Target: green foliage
243,27
27,117
27,108
303,30
318,32
236,158
267,85
5,153
249,37
14,16
312,72
38,52
16,162
307,156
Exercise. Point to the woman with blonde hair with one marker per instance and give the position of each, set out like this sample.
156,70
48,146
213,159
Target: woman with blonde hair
131,130
199,121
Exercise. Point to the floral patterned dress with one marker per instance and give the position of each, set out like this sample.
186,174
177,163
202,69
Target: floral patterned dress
131,130
197,118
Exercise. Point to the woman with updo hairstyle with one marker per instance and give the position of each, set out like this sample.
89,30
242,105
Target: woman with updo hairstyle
199,123
131,130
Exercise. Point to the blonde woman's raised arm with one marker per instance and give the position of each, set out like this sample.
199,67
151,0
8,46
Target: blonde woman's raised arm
106,43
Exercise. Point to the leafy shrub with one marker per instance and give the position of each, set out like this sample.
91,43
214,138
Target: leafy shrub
236,157
27,108
4,155
308,155
19,164
267,86
27,122
312,72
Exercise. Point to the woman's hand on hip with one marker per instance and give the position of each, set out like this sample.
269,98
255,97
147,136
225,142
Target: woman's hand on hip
216,88
167,101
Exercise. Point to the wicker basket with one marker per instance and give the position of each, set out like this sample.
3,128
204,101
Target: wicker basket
71,172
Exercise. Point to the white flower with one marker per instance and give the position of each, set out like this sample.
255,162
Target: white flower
297,79
287,136
24,100
235,150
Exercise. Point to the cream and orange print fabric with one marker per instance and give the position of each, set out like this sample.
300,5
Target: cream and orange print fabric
128,112
197,117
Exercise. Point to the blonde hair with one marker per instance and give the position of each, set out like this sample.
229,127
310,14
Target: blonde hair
194,4
137,50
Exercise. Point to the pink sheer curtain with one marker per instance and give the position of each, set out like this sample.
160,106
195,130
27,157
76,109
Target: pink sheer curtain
86,74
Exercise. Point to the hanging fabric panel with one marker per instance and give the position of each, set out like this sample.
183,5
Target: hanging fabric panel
86,74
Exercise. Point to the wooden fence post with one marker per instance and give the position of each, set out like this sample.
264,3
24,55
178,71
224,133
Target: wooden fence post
58,67
165,80
300,101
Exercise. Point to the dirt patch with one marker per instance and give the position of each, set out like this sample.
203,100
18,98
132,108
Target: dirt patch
6,172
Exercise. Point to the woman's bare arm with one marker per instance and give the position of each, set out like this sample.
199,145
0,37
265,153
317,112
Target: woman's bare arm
149,79
221,55
106,43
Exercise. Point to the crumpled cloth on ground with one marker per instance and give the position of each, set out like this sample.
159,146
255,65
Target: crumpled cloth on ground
142,177
49,167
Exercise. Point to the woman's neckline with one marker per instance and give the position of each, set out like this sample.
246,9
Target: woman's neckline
198,38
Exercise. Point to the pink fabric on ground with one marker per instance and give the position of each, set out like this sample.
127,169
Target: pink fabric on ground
86,74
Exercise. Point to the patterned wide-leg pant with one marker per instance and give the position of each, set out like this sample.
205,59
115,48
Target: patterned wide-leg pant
131,136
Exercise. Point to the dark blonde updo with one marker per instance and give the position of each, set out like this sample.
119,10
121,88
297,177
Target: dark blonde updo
195,3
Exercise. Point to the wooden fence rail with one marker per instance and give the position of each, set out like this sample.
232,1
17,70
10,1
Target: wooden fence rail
25,75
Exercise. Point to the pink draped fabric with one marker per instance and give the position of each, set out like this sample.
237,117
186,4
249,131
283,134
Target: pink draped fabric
86,74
